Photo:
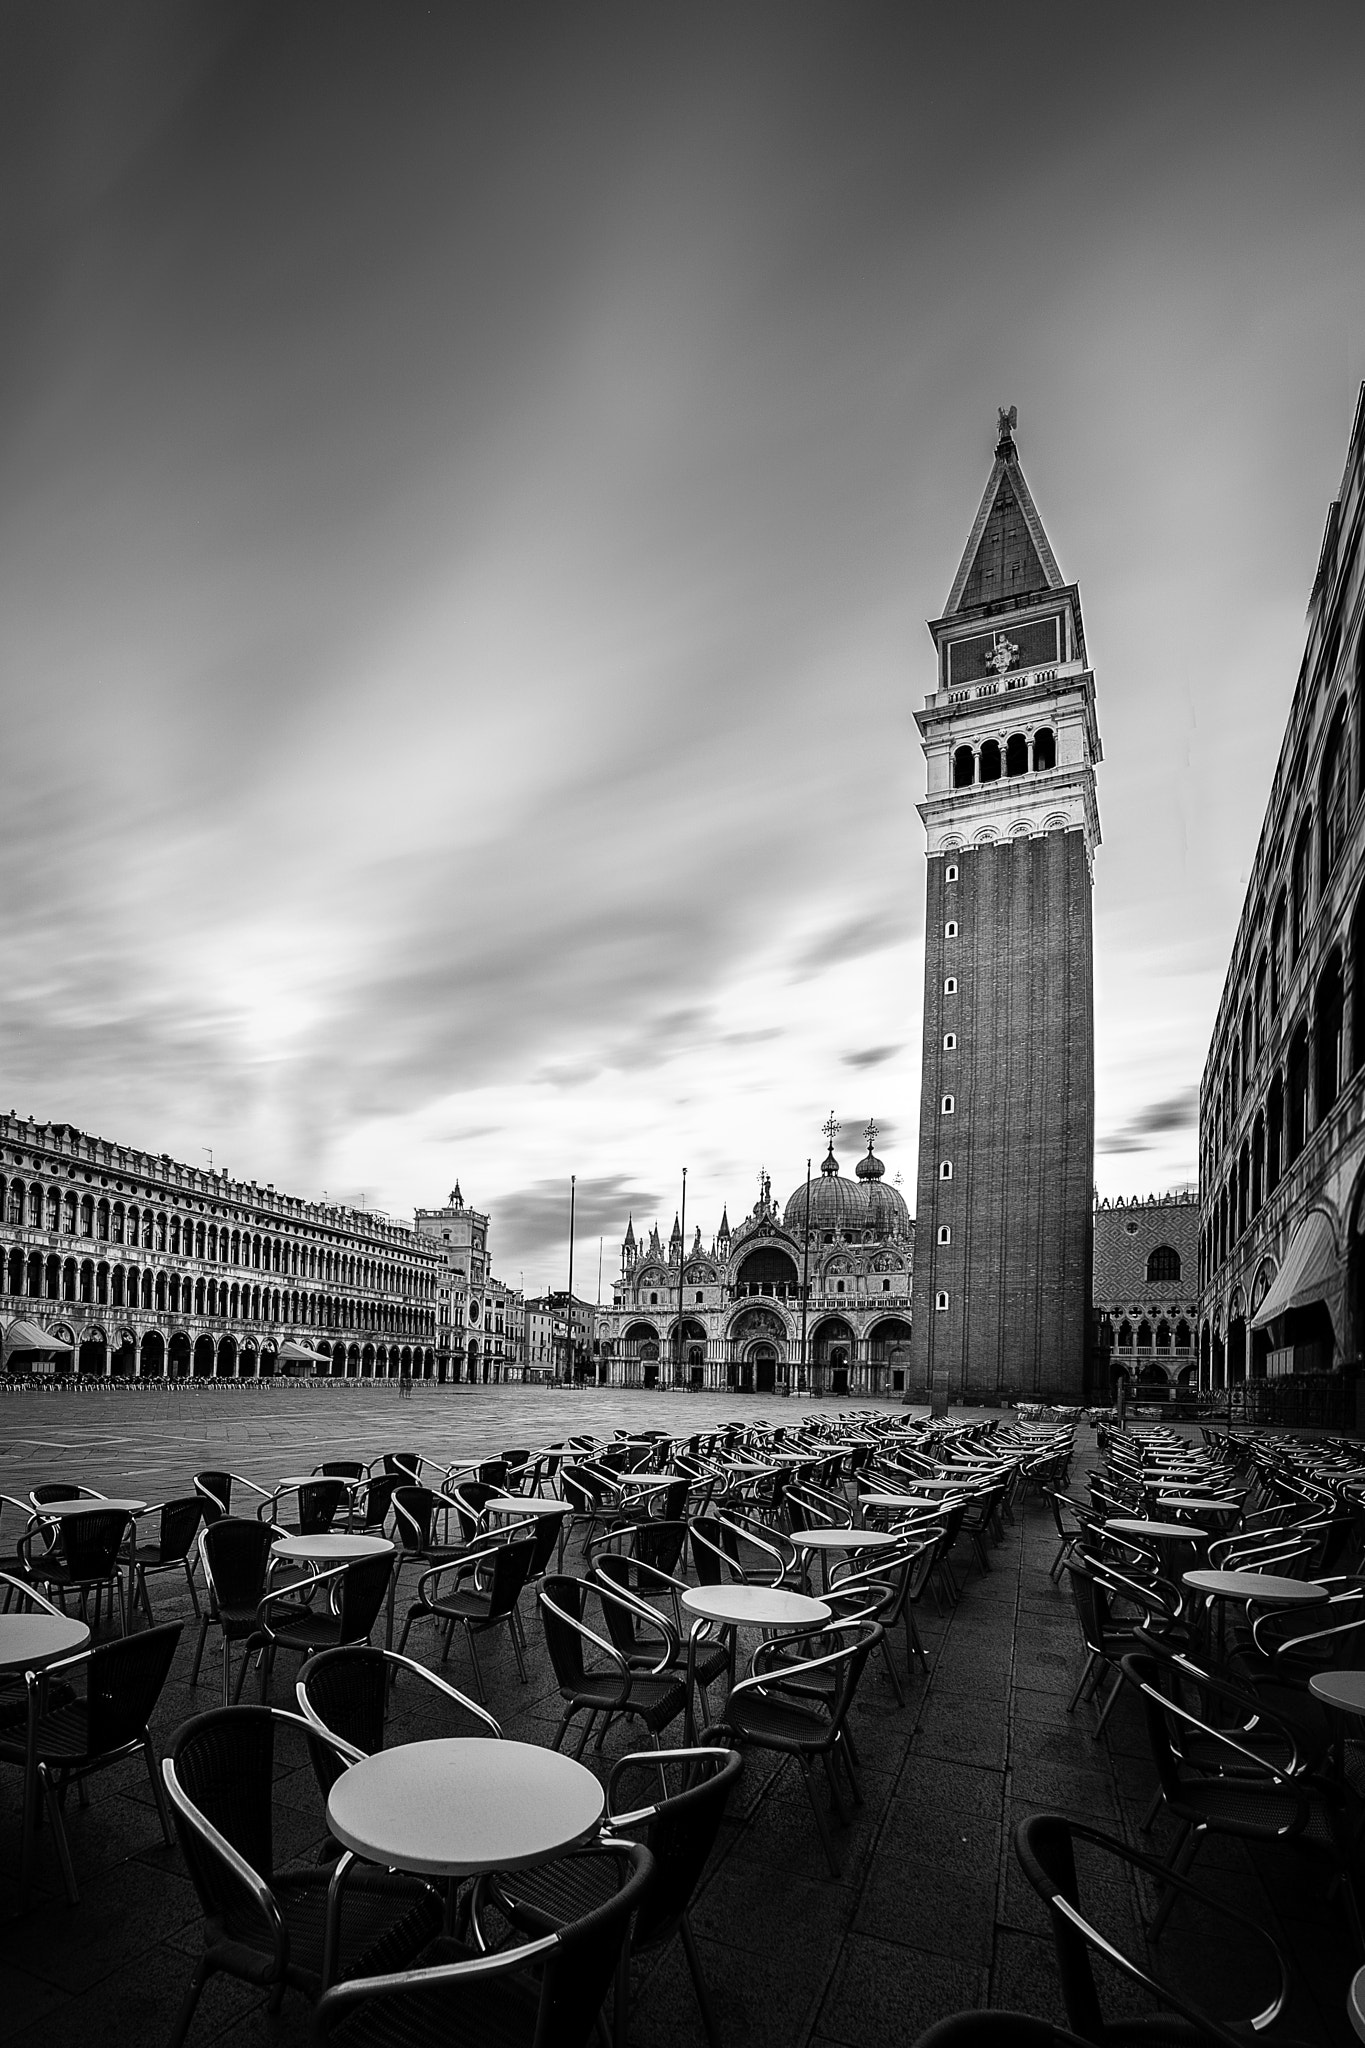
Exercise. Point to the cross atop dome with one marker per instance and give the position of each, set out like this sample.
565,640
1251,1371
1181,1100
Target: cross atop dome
831,1128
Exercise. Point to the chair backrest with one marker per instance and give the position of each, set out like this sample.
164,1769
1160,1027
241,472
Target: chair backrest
91,1543
492,1472
406,1464
319,1505
469,1497
542,1544
123,1684
363,1587
679,1829
215,1488
53,1489
511,1568
577,1965
180,1519
377,1500
220,1770
1045,1845
236,1554
561,1603
715,1551
347,1692
413,1508
341,1468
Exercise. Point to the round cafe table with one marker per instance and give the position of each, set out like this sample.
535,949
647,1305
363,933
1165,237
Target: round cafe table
852,1541
735,1607
30,1642
464,1804
58,1511
524,1504
1261,1589
337,1547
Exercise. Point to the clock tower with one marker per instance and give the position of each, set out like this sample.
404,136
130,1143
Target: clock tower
1001,1297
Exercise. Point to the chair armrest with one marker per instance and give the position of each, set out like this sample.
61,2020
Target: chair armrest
287,1600
251,1879
30,1592
338,2003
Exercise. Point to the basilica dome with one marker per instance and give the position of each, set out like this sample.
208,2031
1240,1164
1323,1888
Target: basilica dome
848,1207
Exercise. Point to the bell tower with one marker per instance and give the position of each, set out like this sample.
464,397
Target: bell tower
1001,1296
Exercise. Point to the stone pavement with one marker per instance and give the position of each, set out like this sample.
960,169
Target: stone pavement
929,1916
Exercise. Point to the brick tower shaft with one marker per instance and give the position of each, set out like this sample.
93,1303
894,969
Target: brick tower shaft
1001,1301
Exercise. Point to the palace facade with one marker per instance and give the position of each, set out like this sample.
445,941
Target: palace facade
1282,1098
151,1269
1146,1285
811,1296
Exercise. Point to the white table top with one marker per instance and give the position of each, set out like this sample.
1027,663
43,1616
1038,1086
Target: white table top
29,1641
1343,1689
844,1539
524,1504
317,1479
907,1500
54,1510
756,1606
330,1549
1200,1504
464,1804
1133,1525
1263,1586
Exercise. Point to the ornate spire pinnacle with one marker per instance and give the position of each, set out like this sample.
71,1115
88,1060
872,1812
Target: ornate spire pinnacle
1009,420
831,1128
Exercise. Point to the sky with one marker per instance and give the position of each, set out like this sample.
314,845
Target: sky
472,484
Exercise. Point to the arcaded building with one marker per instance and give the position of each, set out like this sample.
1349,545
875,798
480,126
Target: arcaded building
1006,1143
1146,1295
1281,1122
810,1296
151,1269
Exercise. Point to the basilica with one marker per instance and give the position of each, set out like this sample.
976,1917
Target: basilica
809,1296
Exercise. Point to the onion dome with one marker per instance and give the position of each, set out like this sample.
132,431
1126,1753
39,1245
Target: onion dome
870,1168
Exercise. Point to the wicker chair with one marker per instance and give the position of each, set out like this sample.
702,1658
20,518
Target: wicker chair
548,1992
495,1576
66,1742
345,1693
270,1927
236,1558
609,1686
679,1830
296,1619
173,1549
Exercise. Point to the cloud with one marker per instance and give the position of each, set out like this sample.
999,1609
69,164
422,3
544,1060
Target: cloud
872,1056
533,1223
1175,1113
850,940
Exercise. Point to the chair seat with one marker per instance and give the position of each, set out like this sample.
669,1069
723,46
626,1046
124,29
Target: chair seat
322,1633
657,1701
777,1722
62,1737
1241,1807
385,1920
460,1607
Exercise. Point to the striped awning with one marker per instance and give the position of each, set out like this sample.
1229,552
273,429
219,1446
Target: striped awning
1308,1272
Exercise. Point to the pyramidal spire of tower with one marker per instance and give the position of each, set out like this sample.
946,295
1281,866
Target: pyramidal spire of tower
1008,554
724,1231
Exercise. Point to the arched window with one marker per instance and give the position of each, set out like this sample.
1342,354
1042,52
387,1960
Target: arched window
35,1207
1044,748
1182,1335
1279,957
1125,1335
945,1169
1163,1264
1358,983
964,767
1259,1013
1144,1335
1163,1336
1301,889
1296,1105
947,1106
1257,1165
1330,1031
1334,802
945,1234
14,1208
1274,1135
1016,754
990,761
1235,1077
